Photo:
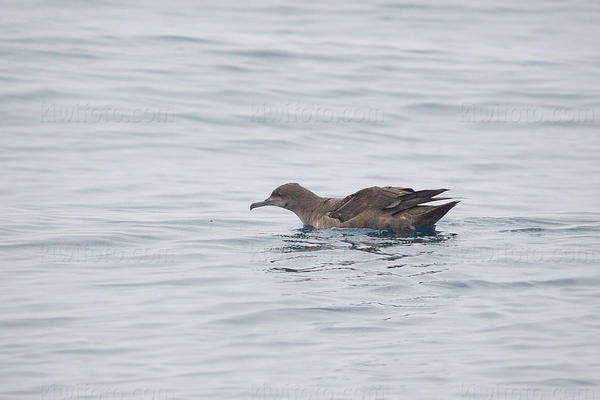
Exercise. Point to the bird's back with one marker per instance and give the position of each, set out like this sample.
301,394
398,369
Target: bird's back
383,208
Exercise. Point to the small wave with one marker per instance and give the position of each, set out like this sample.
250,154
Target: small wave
182,38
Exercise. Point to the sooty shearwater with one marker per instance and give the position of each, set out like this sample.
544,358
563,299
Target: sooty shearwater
374,207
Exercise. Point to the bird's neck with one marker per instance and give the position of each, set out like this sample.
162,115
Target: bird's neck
308,205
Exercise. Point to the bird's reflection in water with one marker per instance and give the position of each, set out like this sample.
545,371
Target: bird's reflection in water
371,251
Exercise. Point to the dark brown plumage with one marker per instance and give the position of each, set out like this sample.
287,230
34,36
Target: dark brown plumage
375,207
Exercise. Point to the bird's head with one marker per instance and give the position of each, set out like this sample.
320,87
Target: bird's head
285,196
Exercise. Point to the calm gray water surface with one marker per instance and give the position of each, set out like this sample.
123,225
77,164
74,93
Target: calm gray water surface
135,135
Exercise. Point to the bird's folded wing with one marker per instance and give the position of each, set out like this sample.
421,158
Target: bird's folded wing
388,199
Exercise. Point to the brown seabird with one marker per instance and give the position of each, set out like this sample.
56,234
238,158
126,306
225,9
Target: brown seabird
374,207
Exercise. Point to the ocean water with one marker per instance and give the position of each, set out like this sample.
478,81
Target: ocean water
134,136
